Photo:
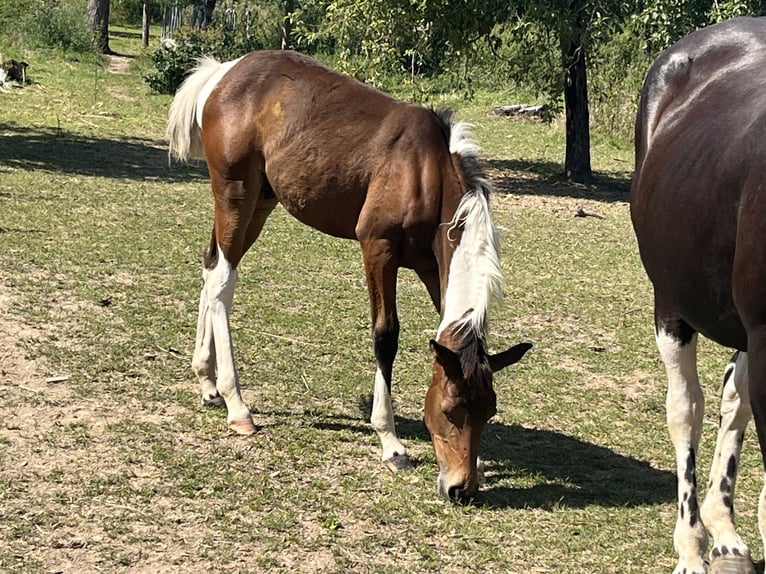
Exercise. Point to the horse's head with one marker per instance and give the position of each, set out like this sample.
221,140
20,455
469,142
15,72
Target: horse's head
459,402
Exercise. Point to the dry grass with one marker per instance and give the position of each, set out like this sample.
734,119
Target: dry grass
118,469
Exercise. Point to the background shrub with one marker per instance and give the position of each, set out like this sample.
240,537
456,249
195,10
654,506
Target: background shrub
55,24
236,30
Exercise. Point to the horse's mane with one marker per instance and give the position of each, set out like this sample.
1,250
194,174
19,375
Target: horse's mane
475,279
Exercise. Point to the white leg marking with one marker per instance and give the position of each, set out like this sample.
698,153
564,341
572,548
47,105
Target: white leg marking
203,362
718,508
685,408
382,419
219,285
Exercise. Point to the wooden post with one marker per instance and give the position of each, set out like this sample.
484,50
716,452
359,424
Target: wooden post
145,24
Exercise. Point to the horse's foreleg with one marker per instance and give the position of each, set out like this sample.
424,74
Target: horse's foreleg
430,278
718,508
677,344
756,367
381,271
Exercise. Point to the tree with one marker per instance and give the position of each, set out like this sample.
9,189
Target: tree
575,24
577,164
98,21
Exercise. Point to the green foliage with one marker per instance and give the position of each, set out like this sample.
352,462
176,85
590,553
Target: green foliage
12,16
374,38
236,30
727,9
526,55
55,24
173,60
617,71
666,21
308,20
130,12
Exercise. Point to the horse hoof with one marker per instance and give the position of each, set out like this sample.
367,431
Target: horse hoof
244,427
731,564
398,463
213,401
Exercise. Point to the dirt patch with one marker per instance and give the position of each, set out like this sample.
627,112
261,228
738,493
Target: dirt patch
118,64
57,449
15,368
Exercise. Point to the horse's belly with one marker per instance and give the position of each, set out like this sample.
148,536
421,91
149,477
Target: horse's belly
693,277
325,210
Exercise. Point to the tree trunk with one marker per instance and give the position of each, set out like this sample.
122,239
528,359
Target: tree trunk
210,6
145,24
287,24
577,161
98,21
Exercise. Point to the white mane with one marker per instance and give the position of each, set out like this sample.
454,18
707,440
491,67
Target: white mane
475,277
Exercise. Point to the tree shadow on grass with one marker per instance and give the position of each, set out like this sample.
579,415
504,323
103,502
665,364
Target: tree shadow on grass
526,177
567,472
59,151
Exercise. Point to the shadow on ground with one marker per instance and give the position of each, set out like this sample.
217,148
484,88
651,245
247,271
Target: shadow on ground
527,177
567,472
60,151
138,158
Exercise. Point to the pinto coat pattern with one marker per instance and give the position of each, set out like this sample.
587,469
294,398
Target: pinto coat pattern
698,205
348,160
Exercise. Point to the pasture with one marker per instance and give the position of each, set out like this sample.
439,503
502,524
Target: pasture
108,463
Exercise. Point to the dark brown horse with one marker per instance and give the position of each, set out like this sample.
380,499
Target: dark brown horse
698,205
280,127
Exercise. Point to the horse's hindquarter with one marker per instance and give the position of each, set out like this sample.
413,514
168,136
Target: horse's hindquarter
699,148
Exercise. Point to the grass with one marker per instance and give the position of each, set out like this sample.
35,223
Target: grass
118,468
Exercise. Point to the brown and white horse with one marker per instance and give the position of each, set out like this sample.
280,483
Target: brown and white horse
698,204
348,160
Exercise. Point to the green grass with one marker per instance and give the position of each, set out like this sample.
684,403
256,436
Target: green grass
118,468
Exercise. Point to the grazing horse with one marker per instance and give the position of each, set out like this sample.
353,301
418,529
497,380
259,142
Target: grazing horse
698,205
348,160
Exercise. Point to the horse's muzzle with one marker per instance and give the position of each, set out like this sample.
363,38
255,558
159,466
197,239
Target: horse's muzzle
458,491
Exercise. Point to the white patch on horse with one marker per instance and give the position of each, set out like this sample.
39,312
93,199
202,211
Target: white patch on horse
215,309
382,419
185,113
718,508
685,405
203,361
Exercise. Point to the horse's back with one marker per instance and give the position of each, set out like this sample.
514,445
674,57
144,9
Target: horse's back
322,138
700,155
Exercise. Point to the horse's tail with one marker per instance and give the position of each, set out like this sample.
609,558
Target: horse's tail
183,133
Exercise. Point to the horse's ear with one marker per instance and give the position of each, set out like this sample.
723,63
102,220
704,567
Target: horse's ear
513,355
448,359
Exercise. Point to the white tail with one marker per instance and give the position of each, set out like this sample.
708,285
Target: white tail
183,129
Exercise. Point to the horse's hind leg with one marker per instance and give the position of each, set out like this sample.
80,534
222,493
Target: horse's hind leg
204,360
242,208
677,344
718,508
